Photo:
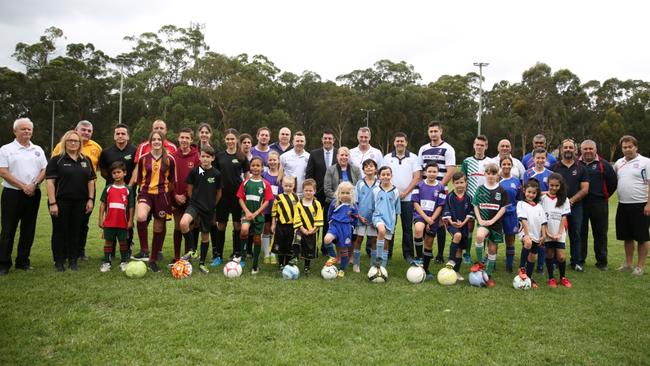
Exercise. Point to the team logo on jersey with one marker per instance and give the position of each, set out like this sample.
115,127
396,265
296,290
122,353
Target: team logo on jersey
260,190
512,185
575,172
211,180
235,161
38,154
84,165
497,196
127,157
190,164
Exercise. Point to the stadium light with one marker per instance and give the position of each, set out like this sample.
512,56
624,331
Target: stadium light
480,65
54,101
367,115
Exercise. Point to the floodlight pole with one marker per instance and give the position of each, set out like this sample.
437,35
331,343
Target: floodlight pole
480,92
54,101
367,115
121,90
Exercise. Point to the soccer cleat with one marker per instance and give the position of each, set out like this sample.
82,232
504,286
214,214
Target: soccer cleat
522,273
274,259
418,261
203,269
242,263
331,261
459,277
624,268
293,262
356,268
190,255
216,262
638,271
105,267
552,283
579,268
306,271
565,282
255,271
467,258
490,283
429,276
341,274
123,266
141,256
171,263
153,266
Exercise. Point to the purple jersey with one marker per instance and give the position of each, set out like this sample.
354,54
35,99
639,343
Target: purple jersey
428,197
276,187
262,154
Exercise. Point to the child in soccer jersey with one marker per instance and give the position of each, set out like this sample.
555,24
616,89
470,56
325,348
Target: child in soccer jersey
384,217
116,216
428,199
308,219
557,208
204,190
490,202
343,217
457,214
254,195
532,217
273,175
282,220
512,185
539,171
366,206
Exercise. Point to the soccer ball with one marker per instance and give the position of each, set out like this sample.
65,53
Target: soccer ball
478,278
182,269
416,274
377,274
290,272
232,269
135,269
329,272
521,283
447,276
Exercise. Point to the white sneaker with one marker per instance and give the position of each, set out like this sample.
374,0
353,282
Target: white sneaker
624,268
638,271
356,268
106,267
255,271
123,266
459,277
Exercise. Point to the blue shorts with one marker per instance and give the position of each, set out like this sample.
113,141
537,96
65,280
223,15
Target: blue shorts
555,245
510,223
342,233
464,231
430,230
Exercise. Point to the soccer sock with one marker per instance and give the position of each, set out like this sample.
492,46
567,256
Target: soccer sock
143,236
549,267
108,250
541,258
467,253
510,257
479,251
296,250
345,258
530,267
386,254
257,248
330,250
266,240
373,257
524,257
178,238
441,234
428,254
380,251
218,238
357,257
562,267
124,251
204,251
418,246
458,261
189,238
156,245
236,243
492,261
453,248
307,263
249,244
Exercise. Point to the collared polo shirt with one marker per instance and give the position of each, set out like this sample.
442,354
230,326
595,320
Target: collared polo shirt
403,169
23,162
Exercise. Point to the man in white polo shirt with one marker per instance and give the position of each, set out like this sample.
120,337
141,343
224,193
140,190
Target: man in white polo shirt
406,175
294,161
22,168
633,211
364,151
505,151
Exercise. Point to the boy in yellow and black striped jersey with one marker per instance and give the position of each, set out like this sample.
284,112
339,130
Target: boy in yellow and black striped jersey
282,219
308,219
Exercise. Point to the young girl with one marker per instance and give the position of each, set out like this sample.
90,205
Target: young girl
532,217
384,218
366,205
254,195
343,217
490,202
283,219
428,200
557,207
512,185
273,175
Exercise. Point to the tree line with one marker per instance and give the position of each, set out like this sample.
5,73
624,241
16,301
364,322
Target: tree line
173,75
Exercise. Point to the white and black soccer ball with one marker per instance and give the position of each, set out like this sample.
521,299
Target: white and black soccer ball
290,272
478,278
416,274
329,272
377,274
521,283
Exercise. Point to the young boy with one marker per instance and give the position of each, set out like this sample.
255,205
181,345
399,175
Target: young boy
282,220
490,204
308,219
457,214
539,171
116,216
204,190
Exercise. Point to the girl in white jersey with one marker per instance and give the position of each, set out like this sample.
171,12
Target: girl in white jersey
557,208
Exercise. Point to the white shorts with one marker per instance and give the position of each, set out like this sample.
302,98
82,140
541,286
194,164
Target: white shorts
365,230
389,234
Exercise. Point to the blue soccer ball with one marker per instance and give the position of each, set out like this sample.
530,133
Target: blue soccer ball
290,272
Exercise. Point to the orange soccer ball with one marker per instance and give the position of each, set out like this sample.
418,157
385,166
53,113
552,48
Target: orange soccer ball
182,269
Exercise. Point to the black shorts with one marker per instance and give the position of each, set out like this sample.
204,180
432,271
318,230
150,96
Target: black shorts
203,220
631,223
283,239
228,206
308,246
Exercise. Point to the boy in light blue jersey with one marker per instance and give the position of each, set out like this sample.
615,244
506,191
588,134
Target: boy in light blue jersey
366,207
384,218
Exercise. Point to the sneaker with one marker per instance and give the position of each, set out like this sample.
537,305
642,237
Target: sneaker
638,271
254,270
467,258
203,269
552,283
190,255
216,262
533,283
429,276
171,263
341,274
274,259
153,266
522,273
59,267
73,266
356,268
418,261
624,268
106,267
242,263
123,266
491,283
459,277
267,260
330,262
565,282
306,271
293,262
141,256
579,268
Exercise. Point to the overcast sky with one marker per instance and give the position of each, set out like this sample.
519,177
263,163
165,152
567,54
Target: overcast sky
593,39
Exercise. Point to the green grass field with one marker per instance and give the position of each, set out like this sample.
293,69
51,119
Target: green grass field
94,318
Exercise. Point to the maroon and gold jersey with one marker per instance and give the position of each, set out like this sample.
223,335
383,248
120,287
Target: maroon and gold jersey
156,175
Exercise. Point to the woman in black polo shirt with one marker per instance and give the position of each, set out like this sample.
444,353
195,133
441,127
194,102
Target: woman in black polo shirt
70,194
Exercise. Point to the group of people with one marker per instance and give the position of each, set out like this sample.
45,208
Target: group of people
282,199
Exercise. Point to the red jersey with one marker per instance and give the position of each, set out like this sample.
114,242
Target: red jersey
117,200
145,148
156,175
184,165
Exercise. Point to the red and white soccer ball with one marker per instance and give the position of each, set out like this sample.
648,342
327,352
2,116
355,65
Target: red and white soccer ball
232,269
182,269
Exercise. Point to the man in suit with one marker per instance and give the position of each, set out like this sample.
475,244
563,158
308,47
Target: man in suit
319,160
